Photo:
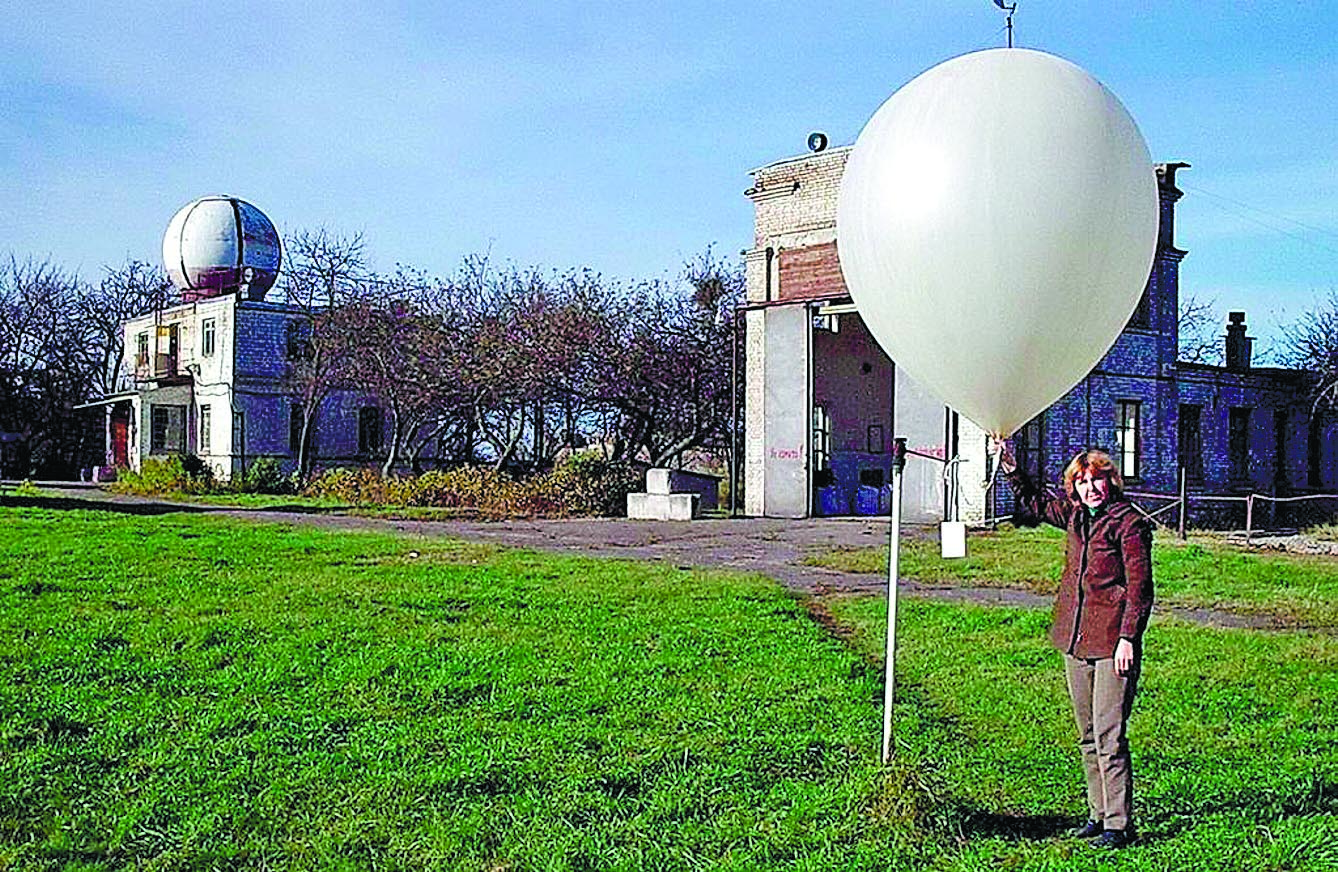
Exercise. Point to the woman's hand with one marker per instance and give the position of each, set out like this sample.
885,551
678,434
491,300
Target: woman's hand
1124,657
1006,461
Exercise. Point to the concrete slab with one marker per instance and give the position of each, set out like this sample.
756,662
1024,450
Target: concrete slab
662,506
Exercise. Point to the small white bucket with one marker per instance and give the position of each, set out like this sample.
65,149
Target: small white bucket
952,539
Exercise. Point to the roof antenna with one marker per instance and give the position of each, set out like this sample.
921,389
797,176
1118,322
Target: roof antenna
1010,9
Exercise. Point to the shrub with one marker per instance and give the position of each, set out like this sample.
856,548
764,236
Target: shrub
26,488
357,486
178,473
591,485
265,476
581,485
463,487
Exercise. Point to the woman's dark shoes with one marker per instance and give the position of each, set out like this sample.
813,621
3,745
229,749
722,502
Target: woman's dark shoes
1114,839
1089,830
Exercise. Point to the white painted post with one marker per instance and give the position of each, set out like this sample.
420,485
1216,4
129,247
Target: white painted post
893,559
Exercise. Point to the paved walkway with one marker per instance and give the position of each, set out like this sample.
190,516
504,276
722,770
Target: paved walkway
768,546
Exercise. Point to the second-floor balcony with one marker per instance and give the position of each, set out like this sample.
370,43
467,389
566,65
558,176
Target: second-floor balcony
160,368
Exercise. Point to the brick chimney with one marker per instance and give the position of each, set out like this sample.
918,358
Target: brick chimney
1238,345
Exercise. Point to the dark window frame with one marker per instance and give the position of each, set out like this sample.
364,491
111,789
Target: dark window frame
297,340
1238,442
371,430
1314,452
1030,447
1281,425
1190,441
205,443
296,418
167,428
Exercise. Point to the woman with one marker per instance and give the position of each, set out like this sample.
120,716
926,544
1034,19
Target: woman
1101,610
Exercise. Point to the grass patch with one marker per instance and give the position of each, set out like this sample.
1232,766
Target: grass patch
193,692
183,692
1234,733
1031,558
1295,589
1323,532
261,501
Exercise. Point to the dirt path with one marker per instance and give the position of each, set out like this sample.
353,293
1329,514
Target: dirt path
772,547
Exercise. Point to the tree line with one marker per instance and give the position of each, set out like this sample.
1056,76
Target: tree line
496,364
60,346
510,366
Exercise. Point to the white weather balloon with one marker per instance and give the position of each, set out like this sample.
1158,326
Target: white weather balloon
996,226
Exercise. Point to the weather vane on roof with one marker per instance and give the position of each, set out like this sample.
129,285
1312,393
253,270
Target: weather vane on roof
1010,9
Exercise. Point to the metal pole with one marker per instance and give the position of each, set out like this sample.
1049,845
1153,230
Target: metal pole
1184,504
893,551
1249,516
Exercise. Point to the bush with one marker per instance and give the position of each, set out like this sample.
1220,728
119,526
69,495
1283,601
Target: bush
581,485
594,486
344,485
265,476
179,473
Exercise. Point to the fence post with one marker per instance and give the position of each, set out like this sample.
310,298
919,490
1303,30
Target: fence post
1249,517
1184,505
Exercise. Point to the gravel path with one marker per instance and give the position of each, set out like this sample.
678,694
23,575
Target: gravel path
772,547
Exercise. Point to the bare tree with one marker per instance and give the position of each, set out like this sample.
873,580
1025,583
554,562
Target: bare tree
400,355
43,371
1200,339
132,289
505,373
671,380
1311,343
326,272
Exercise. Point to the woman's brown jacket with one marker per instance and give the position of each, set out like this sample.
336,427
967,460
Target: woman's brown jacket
1105,593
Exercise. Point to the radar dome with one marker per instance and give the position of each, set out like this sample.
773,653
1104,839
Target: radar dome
220,245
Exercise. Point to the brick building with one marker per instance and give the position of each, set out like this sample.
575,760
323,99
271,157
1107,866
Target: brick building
823,401
212,378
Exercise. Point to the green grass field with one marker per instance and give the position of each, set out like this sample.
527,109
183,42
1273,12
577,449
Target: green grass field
1295,590
187,692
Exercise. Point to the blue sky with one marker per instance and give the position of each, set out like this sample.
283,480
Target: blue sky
620,135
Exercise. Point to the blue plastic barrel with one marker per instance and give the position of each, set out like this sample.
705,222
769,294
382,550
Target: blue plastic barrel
829,501
867,500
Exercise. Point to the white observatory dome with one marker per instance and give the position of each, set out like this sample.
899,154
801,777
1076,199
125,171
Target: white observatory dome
219,245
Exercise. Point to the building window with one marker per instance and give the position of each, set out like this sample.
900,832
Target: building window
207,330
1190,441
295,418
1313,453
167,429
205,425
369,430
1238,442
1281,481
297,338
142,351
1127,442
822,438
1027,444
